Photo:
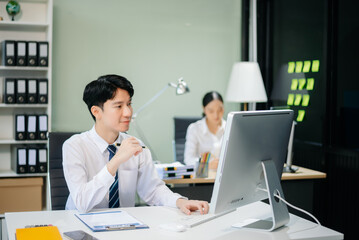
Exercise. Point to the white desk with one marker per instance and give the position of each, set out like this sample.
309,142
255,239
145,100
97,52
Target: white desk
219,228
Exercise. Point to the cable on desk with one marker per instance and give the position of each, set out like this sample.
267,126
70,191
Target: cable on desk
292,206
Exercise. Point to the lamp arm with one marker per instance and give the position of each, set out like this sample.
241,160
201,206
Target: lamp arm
151,100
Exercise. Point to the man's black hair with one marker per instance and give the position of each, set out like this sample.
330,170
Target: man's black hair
97,92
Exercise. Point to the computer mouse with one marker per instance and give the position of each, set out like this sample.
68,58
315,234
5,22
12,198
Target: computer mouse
175,227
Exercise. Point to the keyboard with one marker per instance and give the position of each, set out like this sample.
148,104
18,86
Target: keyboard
196,219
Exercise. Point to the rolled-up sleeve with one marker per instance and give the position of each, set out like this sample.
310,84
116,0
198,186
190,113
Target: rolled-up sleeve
150,187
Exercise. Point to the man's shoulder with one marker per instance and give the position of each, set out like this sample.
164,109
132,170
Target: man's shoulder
78,138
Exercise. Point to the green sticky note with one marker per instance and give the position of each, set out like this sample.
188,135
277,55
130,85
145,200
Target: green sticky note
301,114
290,100
291,66
315,66
305,101
294,85
298,98
310,83
298,66
301,83
306,67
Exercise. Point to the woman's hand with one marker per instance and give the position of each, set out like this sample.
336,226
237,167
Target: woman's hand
213,164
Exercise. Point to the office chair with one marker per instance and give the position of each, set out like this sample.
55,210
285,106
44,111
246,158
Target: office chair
181,125
58,187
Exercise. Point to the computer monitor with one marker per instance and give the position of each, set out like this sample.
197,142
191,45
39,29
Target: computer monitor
254,149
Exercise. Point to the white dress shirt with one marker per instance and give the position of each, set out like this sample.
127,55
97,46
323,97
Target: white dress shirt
200,140
85,157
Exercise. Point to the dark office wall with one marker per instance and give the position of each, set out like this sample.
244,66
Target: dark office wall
328,137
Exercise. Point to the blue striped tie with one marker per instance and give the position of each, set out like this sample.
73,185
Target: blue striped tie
114,197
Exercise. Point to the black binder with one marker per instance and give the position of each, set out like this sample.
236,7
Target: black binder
20,127
21,160
42,90
31,124
21,59
42,126
43,53
8,53
32,91
9,90
32,54
42,157
21,91
32,160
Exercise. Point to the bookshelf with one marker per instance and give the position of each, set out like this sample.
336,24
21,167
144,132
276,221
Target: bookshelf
33,23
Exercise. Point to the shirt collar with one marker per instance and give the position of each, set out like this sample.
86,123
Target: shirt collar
100,142
205,129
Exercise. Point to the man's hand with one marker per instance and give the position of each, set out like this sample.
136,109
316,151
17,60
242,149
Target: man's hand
187,206
129,147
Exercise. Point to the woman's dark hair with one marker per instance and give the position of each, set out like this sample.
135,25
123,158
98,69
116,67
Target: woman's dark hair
97,92
209,97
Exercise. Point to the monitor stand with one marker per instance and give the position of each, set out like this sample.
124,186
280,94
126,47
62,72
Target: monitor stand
279,211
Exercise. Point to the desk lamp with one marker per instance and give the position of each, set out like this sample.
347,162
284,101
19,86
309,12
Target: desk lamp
246,84
181,88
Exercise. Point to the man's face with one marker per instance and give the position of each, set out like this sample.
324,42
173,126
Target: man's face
117,112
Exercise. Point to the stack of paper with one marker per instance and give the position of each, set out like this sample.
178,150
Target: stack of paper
174,170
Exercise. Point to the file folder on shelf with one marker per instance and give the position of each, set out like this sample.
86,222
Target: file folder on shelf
32,54
19,160
20,130
109,221
32,91
32,160
38,233
42,90
21,59
186,175
43,54
42,127
21,91
9,90
42,159
8,48
31,127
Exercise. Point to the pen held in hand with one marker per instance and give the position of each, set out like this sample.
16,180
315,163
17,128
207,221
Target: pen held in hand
119,144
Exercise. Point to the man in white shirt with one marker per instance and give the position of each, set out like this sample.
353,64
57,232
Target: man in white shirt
98,174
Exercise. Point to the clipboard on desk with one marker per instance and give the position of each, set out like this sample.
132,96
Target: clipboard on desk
110,221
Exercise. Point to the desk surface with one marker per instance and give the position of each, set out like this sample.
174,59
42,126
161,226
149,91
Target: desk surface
219,228
301,174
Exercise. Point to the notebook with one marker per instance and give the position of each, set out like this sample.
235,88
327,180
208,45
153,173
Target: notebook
38,233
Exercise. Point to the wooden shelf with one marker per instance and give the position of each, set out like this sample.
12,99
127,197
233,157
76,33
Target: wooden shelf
4,105
17,68
23,26
12,141
12,174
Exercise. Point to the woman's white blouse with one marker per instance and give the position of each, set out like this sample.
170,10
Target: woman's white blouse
200,140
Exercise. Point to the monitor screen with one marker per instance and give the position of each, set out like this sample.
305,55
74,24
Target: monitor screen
250,138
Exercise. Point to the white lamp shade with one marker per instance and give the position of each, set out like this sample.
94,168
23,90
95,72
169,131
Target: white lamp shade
246,84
